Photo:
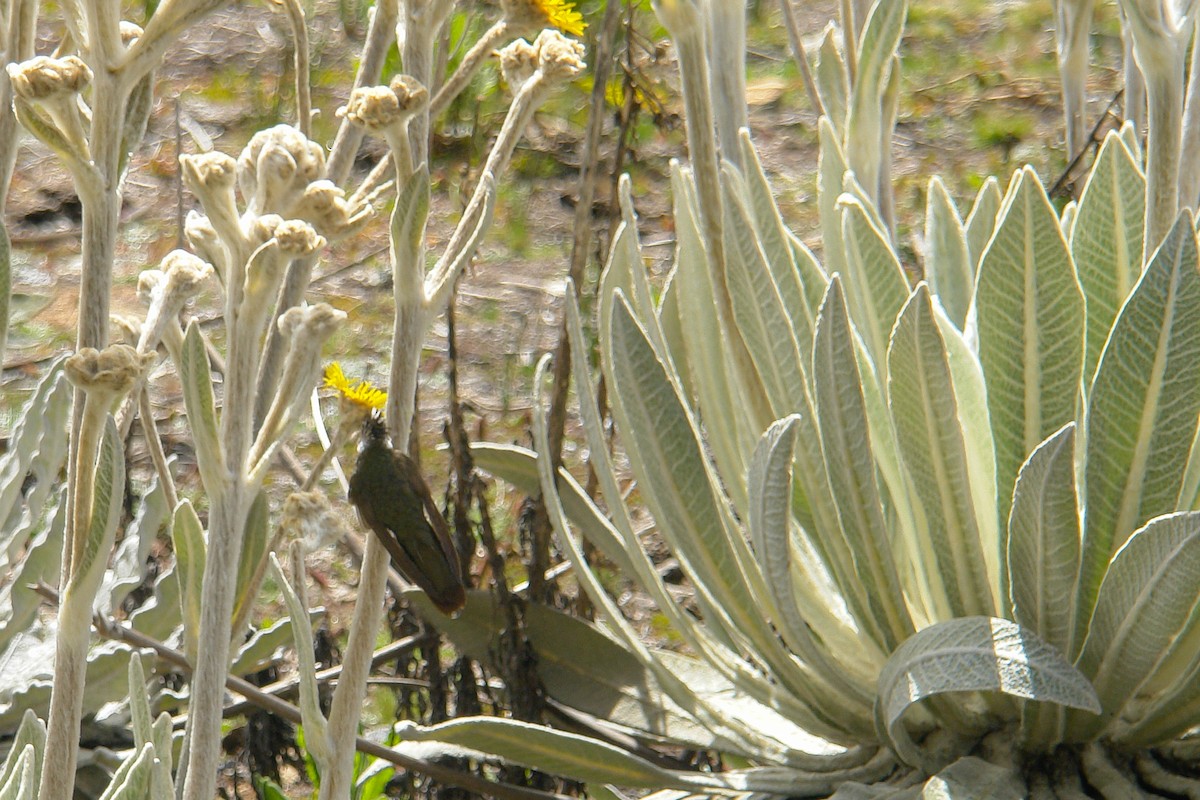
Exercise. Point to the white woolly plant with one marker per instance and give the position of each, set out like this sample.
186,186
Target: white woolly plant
941,535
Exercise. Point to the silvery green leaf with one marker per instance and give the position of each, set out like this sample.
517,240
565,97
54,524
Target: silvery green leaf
1029,313
545,749
921,393
161,614
162,785
128,568
518,466
1132,140
191,555
831,171
981,222
670,321
679,485
30,468
974,654
865,118
409,217
20,780
1043,540
850,464
714,386
876,287
579,666
26,675
833,81
139,705
1106,241
776,246
1145,632
132,779
974,778
761,316
42,561
31,733
107,504
316,727
1143,409
251,563
948,265
197,383
626,271
260,650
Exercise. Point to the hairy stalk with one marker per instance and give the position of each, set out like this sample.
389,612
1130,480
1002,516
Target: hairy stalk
380,35
295,15
1074,24
1164,95
796,40
1189,168
470,64
727,26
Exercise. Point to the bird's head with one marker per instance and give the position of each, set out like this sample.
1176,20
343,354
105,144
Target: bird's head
375,431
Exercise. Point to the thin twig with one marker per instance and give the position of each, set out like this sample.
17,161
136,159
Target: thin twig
801,57
1061,184
256,696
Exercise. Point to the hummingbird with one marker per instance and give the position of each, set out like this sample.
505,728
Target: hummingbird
393,500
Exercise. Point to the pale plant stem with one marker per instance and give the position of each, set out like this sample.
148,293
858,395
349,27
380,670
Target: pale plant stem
470,64
226,526
226,531
1189,168
850,40
154,446
702,149
295,15
796,39
1164,95
1134,101
74,617
1074,19
380,33
408,334
727,74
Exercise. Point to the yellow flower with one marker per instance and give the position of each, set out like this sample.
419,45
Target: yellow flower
559,14
362,394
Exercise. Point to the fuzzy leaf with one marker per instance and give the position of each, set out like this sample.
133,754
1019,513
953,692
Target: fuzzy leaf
1145,619
974,654
833,81
255,540
921,394
1030,315
20,780
948,266
197,383
876,287
865,121
1106,240
1143,409
759,311
544,749
850,464
42,561
128,568
132,779
107,505
1043,540
579,666
30,467
981,222
191,554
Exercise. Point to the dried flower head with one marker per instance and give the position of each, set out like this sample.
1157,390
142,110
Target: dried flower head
309,517
518,62
43,77
276,166
378,108
531,15
130,32
559,58
108,373
324,206
362,394
297,238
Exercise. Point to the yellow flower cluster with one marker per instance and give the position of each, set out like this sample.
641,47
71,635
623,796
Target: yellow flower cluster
362,393
559,14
